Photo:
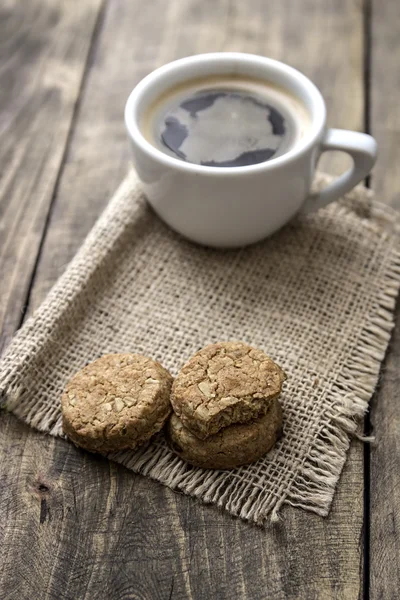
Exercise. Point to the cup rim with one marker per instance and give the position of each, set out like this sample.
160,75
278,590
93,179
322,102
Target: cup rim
318,114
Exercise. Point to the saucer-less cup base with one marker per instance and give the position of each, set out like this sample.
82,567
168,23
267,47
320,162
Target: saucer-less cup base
235,206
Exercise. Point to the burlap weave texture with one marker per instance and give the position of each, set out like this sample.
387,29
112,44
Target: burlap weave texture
318,297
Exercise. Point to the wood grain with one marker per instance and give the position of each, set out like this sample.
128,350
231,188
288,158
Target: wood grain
385,415
44,47
384,96
74,525
77,526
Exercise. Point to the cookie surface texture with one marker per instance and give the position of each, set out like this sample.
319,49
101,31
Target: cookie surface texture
116,402
224,384
233,446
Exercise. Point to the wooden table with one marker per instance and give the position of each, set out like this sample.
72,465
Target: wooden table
74,526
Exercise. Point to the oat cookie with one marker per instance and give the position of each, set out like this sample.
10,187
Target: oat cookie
116,402
233,446
223,384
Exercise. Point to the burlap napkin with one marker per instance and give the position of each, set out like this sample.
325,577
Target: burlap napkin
318,297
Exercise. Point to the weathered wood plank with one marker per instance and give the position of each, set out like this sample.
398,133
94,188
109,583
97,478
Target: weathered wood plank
95,529
76,526
44,46
385,414
384,93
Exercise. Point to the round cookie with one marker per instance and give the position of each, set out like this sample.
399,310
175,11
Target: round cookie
116,402
223,384
233,446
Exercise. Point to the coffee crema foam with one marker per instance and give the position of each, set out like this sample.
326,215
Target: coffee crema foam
226,121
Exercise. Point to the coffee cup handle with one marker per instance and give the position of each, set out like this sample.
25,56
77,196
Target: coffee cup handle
363,150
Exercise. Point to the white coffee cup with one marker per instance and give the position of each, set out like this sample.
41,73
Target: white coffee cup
235,206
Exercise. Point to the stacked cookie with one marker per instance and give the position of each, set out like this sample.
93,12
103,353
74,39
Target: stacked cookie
226,411
224,400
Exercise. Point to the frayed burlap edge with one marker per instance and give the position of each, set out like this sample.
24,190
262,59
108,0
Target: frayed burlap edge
315,481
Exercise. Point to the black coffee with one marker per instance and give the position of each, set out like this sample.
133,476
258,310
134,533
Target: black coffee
226,122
